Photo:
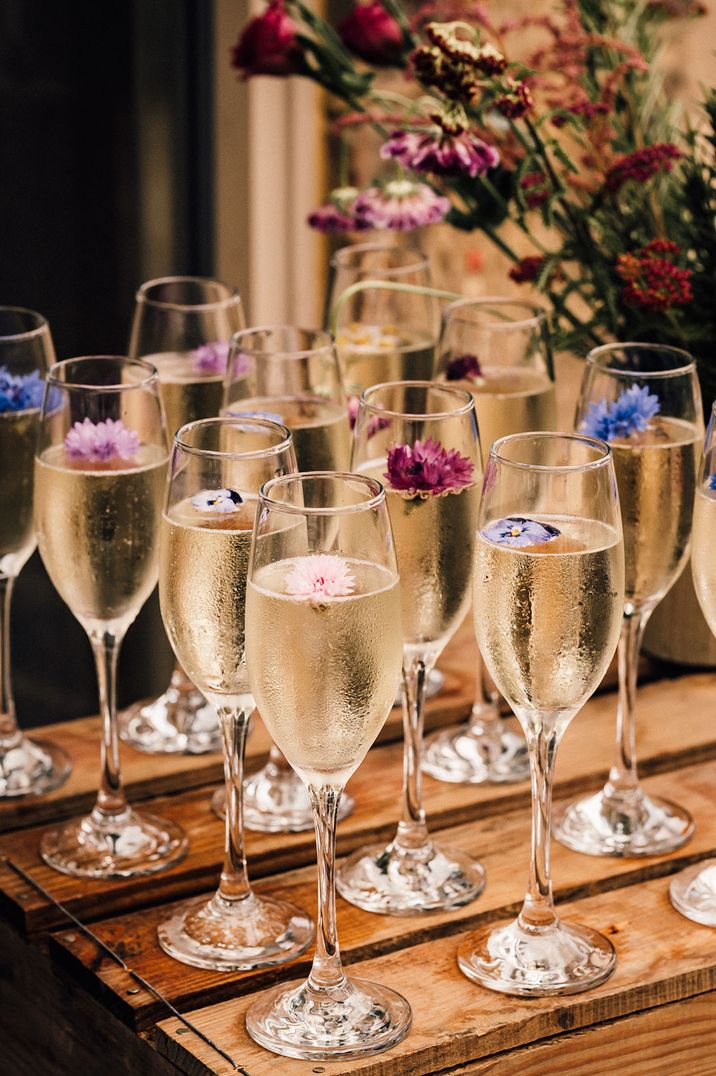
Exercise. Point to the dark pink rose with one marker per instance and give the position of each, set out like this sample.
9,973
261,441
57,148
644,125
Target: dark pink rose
374,35
267,45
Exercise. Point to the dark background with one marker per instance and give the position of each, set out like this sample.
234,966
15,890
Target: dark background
77,82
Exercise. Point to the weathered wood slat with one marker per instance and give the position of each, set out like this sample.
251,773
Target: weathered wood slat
583,763
662,959
500,842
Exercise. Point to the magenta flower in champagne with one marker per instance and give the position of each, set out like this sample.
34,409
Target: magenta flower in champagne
518,531
98,442
464,368
211,358
427,467
319,578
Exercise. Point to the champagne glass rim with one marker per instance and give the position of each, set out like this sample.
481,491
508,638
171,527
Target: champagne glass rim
237,422
468,404
376,498
601,448
232,296
599,357
341,258
148,381
324,341
536,318
26,334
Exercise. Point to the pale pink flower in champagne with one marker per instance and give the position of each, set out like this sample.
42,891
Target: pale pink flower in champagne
98,442
319,578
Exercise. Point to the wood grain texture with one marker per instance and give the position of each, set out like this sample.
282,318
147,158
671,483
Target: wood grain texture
500,842
583,764
662,958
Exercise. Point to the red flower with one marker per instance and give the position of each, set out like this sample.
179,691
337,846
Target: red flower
642,164
374,35
267,45
515,101
654,282
536,187
527,269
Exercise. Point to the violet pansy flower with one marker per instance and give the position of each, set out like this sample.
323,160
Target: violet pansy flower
20,392
220,501
98,442
319,578
427,467
518,531
464,368
629,413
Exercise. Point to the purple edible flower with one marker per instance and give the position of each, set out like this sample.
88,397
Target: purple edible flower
400,205
464,368
217,500
98,442
427,467
441,154
20,392
211,358
518,531
336,214
628,414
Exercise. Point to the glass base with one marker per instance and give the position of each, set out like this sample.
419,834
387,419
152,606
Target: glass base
562,959
462,757
240,935
650,827
693,892
435,684
349,1021
32,767
179,722
276,802
396,881
118,846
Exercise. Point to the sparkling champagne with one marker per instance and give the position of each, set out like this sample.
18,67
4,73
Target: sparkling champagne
187,393
18,434
548,616
371,354
325,700
98,532
204,558
320,428
703,561
656,475
511,401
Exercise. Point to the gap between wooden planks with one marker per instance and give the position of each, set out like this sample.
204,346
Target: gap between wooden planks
500,842
676,729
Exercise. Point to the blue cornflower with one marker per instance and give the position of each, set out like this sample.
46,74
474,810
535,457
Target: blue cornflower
518,531
712,481
20,392
629,413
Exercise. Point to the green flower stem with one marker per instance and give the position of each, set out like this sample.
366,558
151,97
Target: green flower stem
386,285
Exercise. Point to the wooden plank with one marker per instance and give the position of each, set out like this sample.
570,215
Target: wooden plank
500,842
666,1041
687,702
662,958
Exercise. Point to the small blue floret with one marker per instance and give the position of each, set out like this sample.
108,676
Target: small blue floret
629,413
20,392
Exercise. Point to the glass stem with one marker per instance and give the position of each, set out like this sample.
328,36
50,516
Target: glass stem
277,763
538,908
234,884
484,719
326,971
622,788
111,800
10,735
412,831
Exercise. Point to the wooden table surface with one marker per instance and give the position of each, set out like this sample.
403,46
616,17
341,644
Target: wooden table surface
66,1007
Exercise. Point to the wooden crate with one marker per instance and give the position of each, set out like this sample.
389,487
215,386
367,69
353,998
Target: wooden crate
66,1007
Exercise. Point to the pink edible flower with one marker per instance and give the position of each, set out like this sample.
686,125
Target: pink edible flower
211,358
400,205
320,578
427,467
268,44
336,214
98,442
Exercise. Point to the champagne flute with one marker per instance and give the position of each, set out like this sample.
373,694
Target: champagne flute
693,891
27,766
643,399
499,349
421,438
100,470
550,571
323,652
292,377
182,325
216,470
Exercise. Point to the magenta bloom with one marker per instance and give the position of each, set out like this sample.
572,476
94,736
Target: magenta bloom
353,408
319,578
98,442
267,45
464,368
337,214
427,467
400,206
642,164
444,154
211,358
372,34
